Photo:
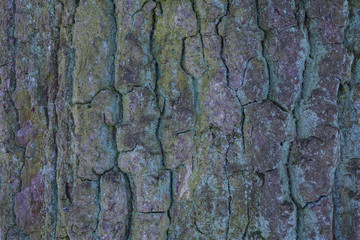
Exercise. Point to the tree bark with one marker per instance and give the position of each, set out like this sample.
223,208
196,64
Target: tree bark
179,119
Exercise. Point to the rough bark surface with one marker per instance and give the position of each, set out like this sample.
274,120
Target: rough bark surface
179,119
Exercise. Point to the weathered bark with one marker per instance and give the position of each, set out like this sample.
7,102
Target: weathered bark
179,119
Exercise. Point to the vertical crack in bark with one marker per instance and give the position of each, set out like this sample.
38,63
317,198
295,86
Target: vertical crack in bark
157,77
112,88
130,204
71,58
161,106
305,30
243,116
72,55
297,205
195,224
335,198
171,203
198,23
194,82
222,47
294,112
75,166
98,202
263,46
248,221
229,189
54,93
222,38
223,43
115,19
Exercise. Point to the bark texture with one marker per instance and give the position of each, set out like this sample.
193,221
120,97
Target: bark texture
179,119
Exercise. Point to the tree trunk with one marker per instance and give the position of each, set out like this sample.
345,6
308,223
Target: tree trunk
179,119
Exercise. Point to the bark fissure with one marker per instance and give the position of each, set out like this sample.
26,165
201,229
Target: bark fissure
223,43
248,222
193,119
53,92
263,46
